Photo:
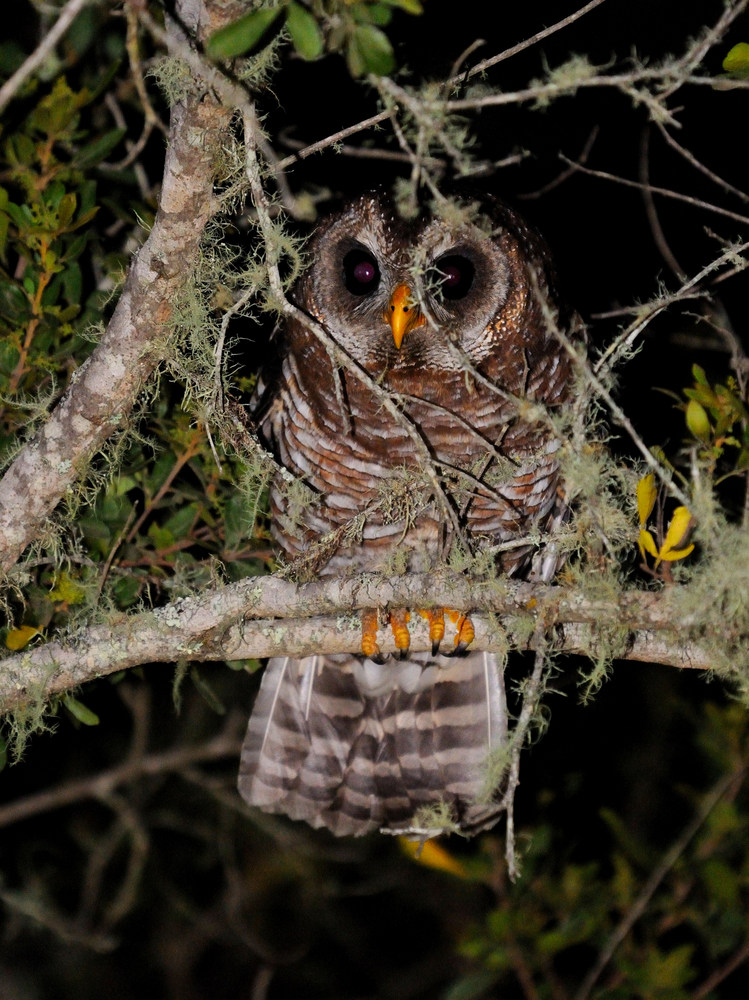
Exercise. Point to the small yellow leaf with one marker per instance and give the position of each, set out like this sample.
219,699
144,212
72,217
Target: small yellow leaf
17,638
433,855
646,543
737,60
673,554
646,494
676,535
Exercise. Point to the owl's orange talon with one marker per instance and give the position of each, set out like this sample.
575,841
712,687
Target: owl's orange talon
436,619
399,620
464,633
369,624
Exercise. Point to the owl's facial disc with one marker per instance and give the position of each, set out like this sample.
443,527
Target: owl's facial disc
403,313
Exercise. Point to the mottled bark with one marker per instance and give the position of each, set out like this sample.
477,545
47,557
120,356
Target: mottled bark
266,616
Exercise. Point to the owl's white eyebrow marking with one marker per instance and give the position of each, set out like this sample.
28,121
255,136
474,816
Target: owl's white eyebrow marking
369,237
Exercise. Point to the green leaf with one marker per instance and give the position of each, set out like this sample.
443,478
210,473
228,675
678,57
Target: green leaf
54,194
96,151
305,32
474,986
14,306
410,6
161,538
20,150
179,524
83,219
21,215
72,281
207,692
127,591
380,14
241,36
66,209
698,374
370,51
80,711
75,247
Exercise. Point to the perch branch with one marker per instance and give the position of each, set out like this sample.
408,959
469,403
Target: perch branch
273,617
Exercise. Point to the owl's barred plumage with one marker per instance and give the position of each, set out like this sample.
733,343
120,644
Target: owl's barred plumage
344,742
355,746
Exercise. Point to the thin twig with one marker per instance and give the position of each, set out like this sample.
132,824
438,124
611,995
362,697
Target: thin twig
101,785
68,14
665,192
526,44
739,957
532,689
688,290
709,802
659,237
331,140
698,165
695,55
565,174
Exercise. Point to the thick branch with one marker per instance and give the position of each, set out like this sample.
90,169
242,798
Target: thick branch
106,386
272,617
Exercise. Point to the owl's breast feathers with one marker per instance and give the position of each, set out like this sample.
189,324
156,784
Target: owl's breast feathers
350,451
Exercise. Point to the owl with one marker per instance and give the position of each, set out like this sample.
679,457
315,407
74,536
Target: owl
411,408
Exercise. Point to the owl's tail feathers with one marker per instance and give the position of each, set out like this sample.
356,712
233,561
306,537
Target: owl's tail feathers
355,746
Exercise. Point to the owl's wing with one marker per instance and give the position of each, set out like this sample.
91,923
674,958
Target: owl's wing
354,746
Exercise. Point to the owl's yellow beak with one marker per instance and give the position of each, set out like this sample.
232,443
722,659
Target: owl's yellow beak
403,313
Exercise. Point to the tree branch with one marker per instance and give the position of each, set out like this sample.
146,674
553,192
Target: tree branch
268,616
104,389
28,67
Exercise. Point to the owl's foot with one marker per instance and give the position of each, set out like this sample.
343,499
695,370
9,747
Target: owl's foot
398,623
399,620
464,633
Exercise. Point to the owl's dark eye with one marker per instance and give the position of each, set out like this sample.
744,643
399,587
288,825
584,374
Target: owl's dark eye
455,275
361,274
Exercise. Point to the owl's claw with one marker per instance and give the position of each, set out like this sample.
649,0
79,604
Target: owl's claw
464,634
399,620
436,619
369,645
464,630
398,623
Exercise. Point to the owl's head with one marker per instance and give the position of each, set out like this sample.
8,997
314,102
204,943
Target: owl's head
395,292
